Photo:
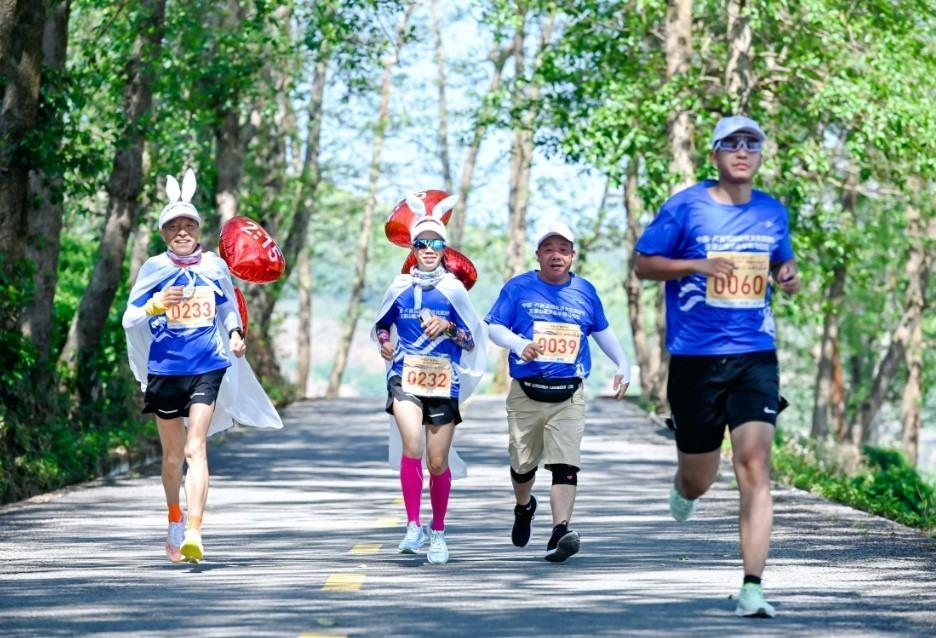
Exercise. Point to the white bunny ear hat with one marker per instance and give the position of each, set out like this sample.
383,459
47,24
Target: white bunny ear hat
180,199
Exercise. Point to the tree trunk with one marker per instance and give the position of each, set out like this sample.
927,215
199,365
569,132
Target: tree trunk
918,265
21,33
360,270
303,347
123,189
231,137
443,116
456,228
526,92
45,185
632,284
660,353
678,62
678,44
824,401
912,397
739,79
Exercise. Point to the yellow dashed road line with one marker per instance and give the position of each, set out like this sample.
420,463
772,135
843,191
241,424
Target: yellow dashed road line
343,582
389,521
365,548
315,635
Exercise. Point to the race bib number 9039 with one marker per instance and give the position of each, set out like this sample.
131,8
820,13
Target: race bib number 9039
746,287
198,311
560,341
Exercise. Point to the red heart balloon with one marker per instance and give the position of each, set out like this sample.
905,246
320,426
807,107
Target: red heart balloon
454,262
241,308
250,252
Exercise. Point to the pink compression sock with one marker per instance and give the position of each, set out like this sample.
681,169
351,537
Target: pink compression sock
411,480
439,488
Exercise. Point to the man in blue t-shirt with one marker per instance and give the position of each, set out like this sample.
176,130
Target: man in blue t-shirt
544,317
721,246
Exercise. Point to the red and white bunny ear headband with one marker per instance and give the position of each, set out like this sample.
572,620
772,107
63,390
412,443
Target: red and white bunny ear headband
180,199
417,203
435,219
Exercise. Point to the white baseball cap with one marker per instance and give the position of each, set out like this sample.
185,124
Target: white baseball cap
424,224
556,228
179,209
736,124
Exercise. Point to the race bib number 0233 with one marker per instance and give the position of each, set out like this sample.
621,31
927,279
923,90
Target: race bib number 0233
198,311
746,287
560,341
427,376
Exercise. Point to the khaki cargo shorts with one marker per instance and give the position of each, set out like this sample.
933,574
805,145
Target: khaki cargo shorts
547,432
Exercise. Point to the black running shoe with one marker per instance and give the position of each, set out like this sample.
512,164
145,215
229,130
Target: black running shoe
523,523
563,544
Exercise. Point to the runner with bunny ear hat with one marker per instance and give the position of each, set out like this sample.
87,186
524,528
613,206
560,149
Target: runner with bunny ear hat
182,325
427,330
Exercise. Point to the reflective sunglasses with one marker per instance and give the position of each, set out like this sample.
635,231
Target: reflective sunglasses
434,244
732,144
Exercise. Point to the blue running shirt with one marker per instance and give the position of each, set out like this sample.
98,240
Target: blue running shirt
411,340
561,315
186,340
709,317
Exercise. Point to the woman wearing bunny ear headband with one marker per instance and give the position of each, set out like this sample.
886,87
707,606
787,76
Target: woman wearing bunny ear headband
181,323
427,329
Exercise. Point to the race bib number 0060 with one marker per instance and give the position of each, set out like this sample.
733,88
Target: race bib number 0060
427,376
746,287
198,311
560,341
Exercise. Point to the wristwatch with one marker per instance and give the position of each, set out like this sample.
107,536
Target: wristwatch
237,330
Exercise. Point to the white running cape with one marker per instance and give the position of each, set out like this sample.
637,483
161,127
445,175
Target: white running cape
470,369
241,397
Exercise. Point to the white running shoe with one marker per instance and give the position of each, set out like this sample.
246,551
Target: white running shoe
414,539
680,507
751,603
438,550
192,549
174,540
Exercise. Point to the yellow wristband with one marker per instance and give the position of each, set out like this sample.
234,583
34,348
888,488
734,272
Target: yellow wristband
154,307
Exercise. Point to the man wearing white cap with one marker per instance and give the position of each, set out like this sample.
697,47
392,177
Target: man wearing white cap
721,246
181,321
544,317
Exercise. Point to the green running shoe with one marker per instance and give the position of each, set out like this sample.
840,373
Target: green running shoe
751,603
680,507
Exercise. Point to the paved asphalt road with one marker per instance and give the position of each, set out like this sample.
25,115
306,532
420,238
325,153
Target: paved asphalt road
302,527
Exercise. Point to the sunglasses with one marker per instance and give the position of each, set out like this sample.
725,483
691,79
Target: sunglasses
732,144
434,244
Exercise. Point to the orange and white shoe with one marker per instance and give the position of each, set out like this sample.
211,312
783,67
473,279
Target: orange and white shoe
174,541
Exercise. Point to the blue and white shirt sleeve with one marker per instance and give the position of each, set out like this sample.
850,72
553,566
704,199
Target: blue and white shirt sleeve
662,236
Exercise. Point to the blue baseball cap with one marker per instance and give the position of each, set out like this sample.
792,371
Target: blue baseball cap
736,124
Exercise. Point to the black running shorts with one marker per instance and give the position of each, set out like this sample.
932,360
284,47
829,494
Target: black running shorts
170,397
435,410
706,393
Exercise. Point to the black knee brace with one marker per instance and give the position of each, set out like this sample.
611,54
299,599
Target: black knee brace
564,474
526,477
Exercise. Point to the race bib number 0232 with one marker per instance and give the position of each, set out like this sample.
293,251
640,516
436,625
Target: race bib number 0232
746,287
427,376
198,311
560,341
